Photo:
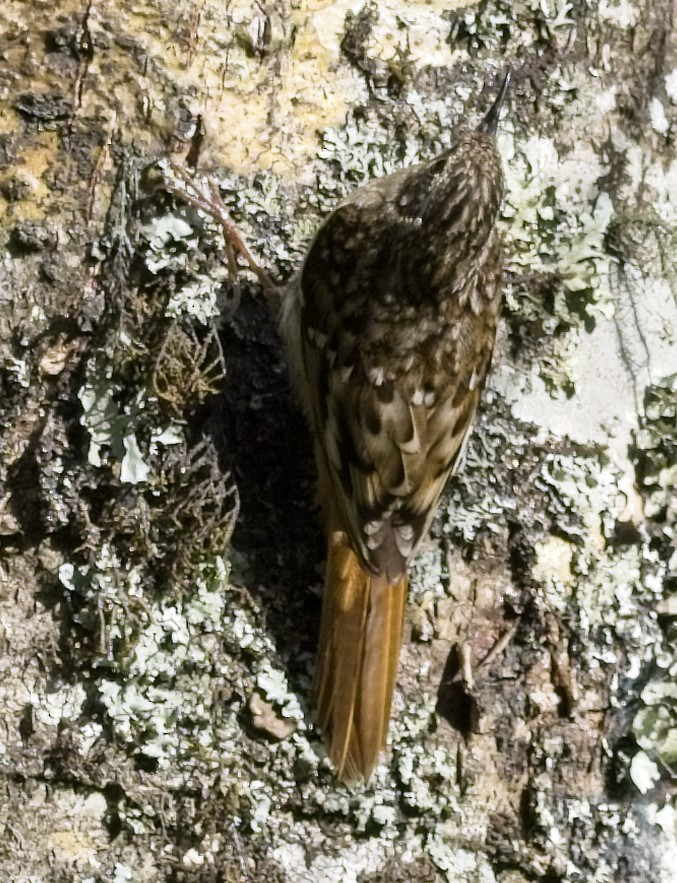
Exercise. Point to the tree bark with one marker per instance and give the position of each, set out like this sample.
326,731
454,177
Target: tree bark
156,665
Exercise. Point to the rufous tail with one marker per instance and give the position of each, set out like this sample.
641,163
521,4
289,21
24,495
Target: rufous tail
360,638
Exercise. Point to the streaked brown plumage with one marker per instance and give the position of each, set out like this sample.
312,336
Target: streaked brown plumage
390,327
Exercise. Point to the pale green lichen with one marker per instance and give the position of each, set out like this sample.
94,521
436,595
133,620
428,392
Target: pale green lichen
100,590
428,577
671,85
458,863
101,418
61,704
274,685
19,370
122,874
655,724
644,772
173,244
160,698
421,771
113,428
357,153
260,803
428,572
557,220
163,706
621,13
656,454
133,467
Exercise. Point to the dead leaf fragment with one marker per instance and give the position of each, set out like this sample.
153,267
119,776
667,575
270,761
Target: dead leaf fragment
266,719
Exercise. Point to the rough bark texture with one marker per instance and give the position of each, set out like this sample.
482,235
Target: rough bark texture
155,671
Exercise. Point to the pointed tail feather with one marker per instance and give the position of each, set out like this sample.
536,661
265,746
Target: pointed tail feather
360,638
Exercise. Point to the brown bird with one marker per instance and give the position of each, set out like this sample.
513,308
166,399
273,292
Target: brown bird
390,327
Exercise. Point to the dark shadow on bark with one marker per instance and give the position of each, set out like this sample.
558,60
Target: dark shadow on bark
278,538
454,701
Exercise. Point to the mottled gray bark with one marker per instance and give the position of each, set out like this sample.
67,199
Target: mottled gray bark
155,671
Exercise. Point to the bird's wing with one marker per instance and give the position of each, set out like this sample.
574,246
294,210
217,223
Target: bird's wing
389,435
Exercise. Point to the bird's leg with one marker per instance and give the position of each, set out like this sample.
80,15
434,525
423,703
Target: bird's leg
206,198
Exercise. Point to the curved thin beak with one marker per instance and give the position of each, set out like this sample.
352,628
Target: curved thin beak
489,124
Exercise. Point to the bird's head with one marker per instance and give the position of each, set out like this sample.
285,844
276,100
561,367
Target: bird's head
459,192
